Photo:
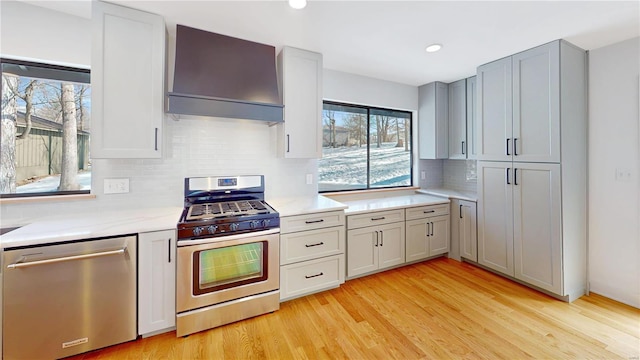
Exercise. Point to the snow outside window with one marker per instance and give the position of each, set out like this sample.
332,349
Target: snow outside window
364,148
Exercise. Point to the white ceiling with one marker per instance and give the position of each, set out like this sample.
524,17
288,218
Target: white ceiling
386,39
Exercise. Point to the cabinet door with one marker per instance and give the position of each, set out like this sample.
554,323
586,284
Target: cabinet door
537,226
433,114
362,251
536,104
391,249
494,115
156,281
417,240
439,235
472,131
127,82
301,82
467,230
495,216
458,120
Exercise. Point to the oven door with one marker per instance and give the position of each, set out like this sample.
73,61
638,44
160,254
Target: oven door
215,270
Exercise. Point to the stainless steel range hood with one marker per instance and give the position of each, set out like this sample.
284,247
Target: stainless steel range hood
222,76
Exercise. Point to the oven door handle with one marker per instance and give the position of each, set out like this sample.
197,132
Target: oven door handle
210,240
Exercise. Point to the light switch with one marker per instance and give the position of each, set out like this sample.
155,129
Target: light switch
116,186
309,179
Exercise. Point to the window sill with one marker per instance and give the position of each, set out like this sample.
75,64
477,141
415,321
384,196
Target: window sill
36,199
370,191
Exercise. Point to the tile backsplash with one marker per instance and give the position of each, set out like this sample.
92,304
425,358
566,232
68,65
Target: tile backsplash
192,147
451,174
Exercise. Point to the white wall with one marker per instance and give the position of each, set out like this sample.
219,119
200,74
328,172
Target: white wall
50,36
614,205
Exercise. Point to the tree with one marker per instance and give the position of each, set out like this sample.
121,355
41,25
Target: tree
69,173
27,97
8,136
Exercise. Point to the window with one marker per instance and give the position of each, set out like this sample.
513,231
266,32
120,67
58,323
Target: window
364,148
44,144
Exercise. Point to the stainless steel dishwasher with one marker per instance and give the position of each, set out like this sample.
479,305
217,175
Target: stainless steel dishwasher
64,299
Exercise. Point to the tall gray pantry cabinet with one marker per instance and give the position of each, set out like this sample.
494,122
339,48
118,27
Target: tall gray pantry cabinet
532,132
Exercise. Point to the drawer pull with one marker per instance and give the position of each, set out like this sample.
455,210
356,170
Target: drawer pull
428,212
379,218
314,221
312,245
312,276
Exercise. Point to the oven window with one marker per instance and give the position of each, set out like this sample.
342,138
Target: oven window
227,267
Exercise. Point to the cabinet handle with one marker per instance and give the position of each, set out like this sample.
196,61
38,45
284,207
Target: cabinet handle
376,239
288,143
508,146
460,211
508,183
428,212
312,276
515,146
381,238
428,225
463,148
312,245
515,176
432,229
314,221
169,242
380,218
156,139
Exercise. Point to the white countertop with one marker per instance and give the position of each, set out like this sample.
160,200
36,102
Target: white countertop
451,194
305,205
92,225
390,203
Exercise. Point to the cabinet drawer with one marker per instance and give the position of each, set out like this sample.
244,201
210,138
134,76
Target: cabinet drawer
291,224
307,245
311,276
374,218
422,212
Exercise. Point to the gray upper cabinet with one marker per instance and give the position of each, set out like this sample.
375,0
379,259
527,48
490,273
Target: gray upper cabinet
458,119
472,124
127,82
300,77
494,111
433,114
519,107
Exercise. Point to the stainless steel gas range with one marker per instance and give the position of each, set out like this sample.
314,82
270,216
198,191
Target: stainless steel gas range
228,253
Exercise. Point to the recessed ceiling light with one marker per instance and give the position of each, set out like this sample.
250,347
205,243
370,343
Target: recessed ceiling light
433,48
298,4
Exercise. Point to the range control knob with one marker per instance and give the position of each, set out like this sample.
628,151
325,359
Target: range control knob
197,231
233,226
212,229
255,224
265,222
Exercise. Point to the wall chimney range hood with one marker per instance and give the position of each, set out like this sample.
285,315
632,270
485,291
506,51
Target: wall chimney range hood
222,76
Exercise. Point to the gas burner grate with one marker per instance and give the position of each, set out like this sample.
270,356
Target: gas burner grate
224,209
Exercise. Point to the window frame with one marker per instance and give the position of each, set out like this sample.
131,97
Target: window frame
62,72
369,110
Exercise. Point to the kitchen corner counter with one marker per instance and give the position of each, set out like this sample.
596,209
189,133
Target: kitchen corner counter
305,205
92,225
390,203
451,194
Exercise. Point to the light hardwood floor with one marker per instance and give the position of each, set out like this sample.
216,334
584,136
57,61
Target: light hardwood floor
437,309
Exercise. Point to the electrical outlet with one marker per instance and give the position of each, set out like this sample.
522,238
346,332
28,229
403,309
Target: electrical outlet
623,174
116,186
309,179
422,175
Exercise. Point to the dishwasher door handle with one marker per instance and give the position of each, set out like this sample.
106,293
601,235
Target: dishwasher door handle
67,258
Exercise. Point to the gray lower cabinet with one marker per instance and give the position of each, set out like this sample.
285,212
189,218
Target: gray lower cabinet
376,241
156,282
464,220
312,256
427,232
